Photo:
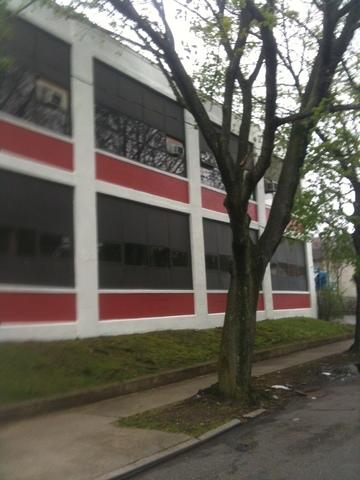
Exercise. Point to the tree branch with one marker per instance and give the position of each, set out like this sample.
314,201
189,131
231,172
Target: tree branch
303,115
183,81
270,56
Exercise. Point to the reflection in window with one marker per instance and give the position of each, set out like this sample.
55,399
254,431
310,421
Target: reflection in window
211,261
36,244
155,244
159,256
179,259
133,139
55,245
135,254
26,242
20,96
35,83
218,253
110,252
225,262
5,240
210,173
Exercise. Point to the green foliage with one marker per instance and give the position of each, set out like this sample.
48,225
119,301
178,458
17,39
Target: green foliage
330,304
36,369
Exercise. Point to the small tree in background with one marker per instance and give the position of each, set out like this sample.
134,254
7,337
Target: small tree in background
332,197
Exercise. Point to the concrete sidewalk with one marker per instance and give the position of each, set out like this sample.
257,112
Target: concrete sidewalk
84,443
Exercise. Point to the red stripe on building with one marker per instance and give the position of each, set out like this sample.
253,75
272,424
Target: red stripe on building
217,302
138,178
36,146
291,301
140,305
37,307
213,200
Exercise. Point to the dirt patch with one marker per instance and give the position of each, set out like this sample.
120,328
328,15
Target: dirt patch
206,410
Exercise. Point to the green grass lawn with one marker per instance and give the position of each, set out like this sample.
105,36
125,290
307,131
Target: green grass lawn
38,369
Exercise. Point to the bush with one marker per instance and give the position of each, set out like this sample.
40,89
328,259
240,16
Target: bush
350,305
330,304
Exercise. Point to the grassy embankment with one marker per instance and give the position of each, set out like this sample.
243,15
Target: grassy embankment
38,369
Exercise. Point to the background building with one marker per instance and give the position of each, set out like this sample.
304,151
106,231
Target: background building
111,205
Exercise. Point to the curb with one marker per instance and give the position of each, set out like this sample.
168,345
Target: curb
82,397
160,457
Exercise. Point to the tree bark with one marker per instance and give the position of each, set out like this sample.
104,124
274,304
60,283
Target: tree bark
356,241
238,334
355,347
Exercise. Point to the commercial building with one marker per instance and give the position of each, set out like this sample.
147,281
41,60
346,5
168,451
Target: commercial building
111,205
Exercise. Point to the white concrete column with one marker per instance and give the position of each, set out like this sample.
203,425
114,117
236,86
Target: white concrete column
311,278
85,223
196,223
267,284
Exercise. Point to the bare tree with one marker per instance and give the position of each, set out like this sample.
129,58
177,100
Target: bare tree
258,53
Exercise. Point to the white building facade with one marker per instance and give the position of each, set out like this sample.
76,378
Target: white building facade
111,207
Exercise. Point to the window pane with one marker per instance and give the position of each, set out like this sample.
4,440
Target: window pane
36,84
110,252
5,240
159,256
288,266
135,254
210,173
136,122
179,259
156,245
133,139
37,231
26,242
211,262
55,245
225,263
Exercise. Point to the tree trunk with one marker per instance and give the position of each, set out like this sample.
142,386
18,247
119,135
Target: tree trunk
238,334
356,241
355,347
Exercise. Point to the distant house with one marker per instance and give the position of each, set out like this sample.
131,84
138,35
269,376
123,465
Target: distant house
338,274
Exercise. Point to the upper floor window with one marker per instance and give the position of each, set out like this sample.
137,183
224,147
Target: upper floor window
35,85
210,173
137,123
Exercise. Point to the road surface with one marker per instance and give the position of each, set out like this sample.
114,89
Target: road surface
312,439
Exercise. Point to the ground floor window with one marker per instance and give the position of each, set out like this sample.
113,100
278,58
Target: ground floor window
288,266
141,246
36,231
218,253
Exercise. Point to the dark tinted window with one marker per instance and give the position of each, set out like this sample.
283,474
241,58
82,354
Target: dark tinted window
217,237
155,243
137,123
288,266
218,253
36,83
36,231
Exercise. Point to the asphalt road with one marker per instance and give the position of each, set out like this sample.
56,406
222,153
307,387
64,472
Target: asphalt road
312,439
